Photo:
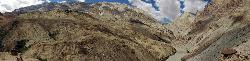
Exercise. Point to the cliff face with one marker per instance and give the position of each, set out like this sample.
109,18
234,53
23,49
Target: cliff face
219,33
102,32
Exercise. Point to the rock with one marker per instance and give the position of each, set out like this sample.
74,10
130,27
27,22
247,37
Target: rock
1,14
228,51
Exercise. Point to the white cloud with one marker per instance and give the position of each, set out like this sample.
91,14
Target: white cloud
169,8
63,2
194,5
10,5
147,7
81,0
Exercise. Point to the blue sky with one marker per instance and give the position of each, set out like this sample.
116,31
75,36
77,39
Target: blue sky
120,1
153,3
95,1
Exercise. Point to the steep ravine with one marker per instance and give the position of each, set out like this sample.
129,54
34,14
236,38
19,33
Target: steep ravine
213,34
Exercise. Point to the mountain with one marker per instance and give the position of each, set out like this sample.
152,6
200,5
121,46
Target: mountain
83,32
117,32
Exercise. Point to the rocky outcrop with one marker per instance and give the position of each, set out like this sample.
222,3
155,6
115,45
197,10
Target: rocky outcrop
103,32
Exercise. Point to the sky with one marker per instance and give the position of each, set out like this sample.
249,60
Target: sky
162,10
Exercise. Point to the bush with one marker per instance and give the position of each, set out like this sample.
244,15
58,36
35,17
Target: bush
20,46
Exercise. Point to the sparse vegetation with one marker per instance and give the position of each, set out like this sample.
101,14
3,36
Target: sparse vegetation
41,59
2,35
20,46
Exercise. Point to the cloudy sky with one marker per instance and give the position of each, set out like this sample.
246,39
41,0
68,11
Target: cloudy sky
159,9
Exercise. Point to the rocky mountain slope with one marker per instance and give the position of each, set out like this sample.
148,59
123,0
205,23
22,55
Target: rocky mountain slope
219,33
116,32
83,32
